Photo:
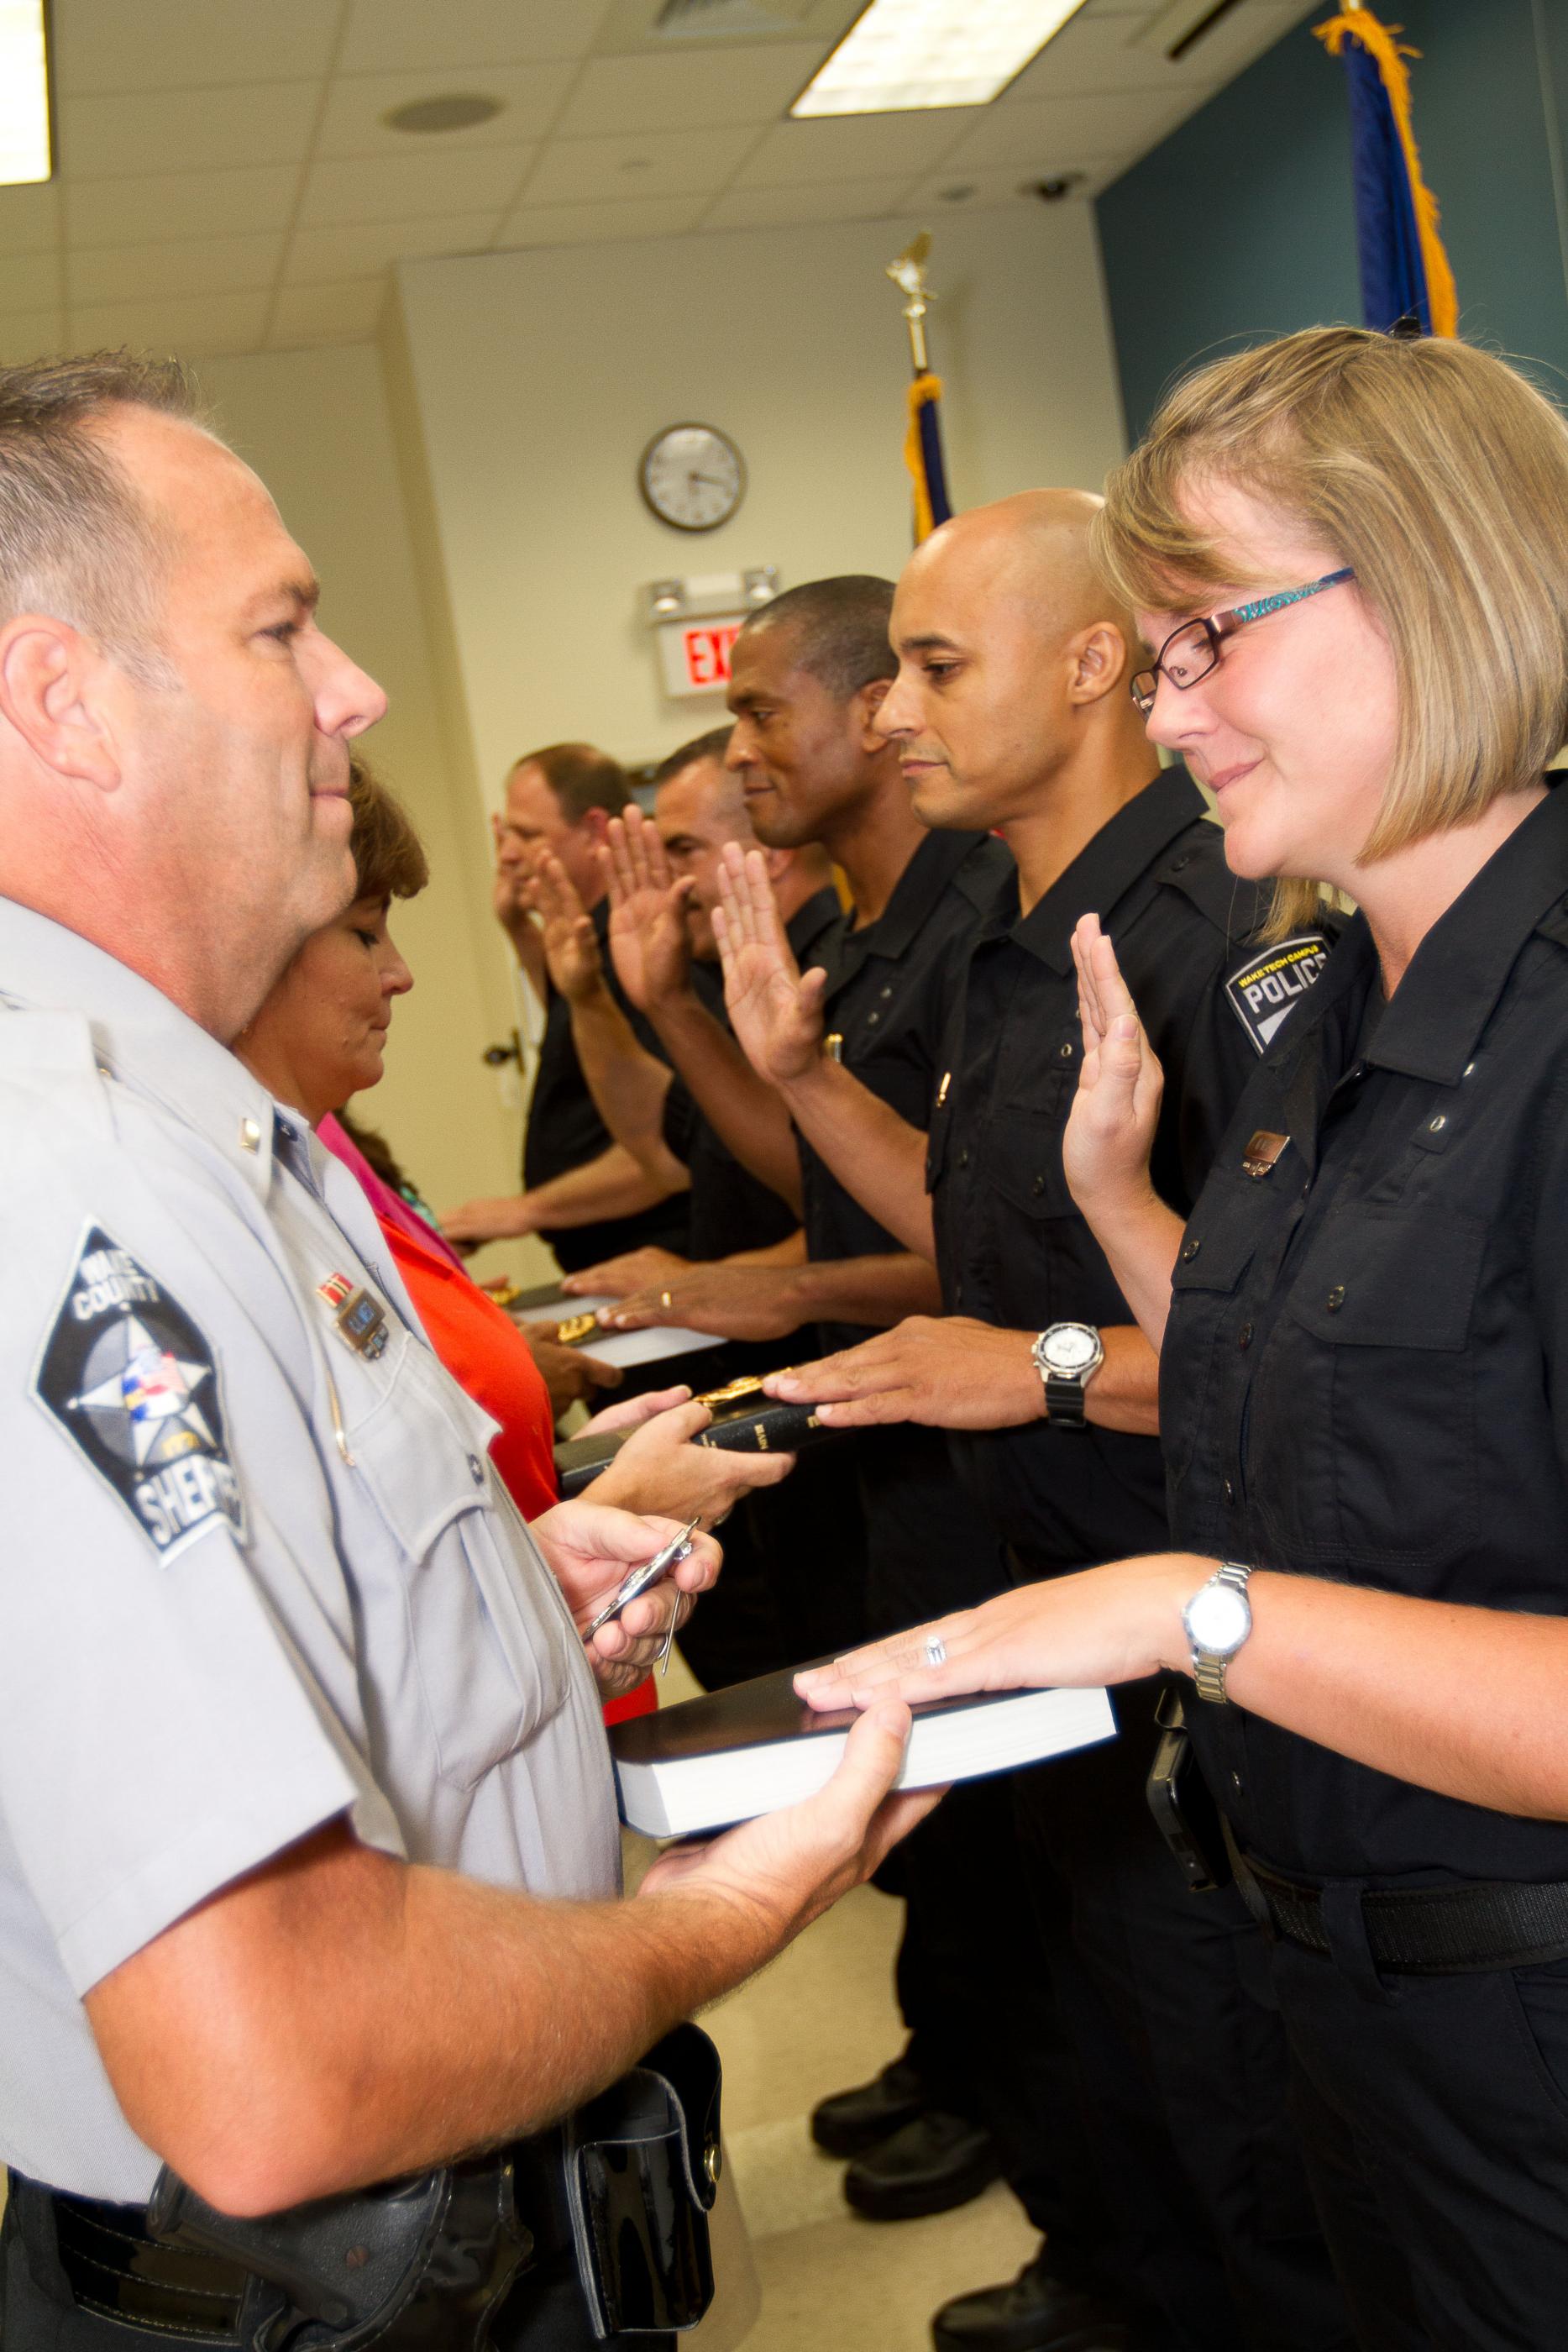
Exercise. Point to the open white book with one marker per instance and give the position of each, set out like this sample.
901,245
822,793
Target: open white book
757,1747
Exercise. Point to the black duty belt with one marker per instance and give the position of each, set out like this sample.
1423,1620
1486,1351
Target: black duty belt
1422,1931
116,2271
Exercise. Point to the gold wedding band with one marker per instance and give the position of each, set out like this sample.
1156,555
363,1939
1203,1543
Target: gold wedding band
665,1298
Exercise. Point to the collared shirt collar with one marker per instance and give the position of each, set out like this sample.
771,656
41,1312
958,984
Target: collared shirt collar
936,861
141,1036
1107,868
1438,1013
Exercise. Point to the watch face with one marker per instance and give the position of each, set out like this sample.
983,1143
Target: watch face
1072,1347
693,476
1217,1618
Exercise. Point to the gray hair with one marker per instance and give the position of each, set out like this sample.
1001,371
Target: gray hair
76,542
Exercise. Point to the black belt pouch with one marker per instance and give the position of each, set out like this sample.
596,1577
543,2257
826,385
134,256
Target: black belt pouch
642,2164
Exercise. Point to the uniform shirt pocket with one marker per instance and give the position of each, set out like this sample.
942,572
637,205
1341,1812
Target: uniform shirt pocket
1365,1424
486,1633
1214,1255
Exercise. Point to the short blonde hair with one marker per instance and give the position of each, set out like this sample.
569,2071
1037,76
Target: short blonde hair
1441,476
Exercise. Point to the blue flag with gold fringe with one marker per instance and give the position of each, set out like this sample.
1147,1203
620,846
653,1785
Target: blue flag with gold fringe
923,455
1407,284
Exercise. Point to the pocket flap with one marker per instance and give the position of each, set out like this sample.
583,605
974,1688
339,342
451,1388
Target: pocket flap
1391,1278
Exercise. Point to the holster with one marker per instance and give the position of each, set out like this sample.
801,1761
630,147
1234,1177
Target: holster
624,2186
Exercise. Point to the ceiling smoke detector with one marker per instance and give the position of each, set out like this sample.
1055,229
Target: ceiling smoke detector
460,111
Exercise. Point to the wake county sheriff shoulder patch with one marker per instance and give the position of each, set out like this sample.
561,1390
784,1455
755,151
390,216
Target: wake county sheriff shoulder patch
132,1383
1268,986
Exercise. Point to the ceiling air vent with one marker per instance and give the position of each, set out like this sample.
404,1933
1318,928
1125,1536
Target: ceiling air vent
1177,29
715,20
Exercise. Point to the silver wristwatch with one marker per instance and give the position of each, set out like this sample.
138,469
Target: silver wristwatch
1218,1620
1067,1358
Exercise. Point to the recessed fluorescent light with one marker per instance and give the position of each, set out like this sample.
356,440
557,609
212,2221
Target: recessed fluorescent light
24,94
900,55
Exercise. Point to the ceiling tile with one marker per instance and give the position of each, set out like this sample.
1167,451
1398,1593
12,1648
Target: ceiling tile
860,147
1035,136
351,121
652,163
327,314
117,46
386,35
31,335
29,281
360,249
599,224
1002,185
783,207
208,265
401,187
212,322
29,218
180,204
1100,53
692,91
268,122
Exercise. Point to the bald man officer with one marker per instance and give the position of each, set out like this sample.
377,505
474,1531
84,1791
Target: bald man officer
308,1859
1010,710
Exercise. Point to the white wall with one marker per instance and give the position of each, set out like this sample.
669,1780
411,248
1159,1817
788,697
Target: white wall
316,427
538,377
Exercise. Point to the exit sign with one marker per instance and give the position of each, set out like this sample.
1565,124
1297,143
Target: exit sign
695,654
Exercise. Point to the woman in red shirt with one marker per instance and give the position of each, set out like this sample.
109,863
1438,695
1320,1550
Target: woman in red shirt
320,1037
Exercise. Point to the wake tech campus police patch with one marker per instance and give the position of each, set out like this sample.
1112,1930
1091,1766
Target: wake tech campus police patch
131,1381
1273,983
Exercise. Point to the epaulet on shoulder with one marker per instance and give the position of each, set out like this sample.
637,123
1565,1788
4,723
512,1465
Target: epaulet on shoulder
48,1039
1196,867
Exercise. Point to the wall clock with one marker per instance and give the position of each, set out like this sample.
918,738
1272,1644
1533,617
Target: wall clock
693,476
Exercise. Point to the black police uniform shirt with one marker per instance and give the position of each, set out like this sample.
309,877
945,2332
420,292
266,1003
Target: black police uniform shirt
565,1131
1364,1374
1012,1247
731,1208
880,1002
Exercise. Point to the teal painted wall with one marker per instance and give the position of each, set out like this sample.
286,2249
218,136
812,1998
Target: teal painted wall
1239,225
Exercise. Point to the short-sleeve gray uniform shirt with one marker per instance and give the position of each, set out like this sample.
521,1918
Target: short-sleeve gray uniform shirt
254,1573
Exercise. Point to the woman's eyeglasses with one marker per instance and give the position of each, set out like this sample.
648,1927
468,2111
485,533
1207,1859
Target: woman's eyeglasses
1190,652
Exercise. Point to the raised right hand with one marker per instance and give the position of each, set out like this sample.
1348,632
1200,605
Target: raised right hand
649,944
775,1010
1109,1130
572,949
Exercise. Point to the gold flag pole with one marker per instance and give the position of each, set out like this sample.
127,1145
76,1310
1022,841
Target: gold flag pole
908,273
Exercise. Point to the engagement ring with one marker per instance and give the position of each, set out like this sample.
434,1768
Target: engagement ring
935,1651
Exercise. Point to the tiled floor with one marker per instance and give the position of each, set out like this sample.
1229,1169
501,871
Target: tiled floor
821,2018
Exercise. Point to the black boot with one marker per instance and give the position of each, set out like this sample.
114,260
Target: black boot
935,2162
1033,2313
852,2121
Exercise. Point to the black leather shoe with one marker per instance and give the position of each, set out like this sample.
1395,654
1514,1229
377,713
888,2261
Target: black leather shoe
932,2164
852,2121
1033,2313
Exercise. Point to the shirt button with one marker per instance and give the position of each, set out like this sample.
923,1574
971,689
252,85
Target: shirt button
1189,1251
1244,1336
885,994
1065,1052
1436,1126
249,1134
872,1019
475,1470
1336,1299
1467,1069
1235,1783
964,1157
1230,1492
1038,1187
